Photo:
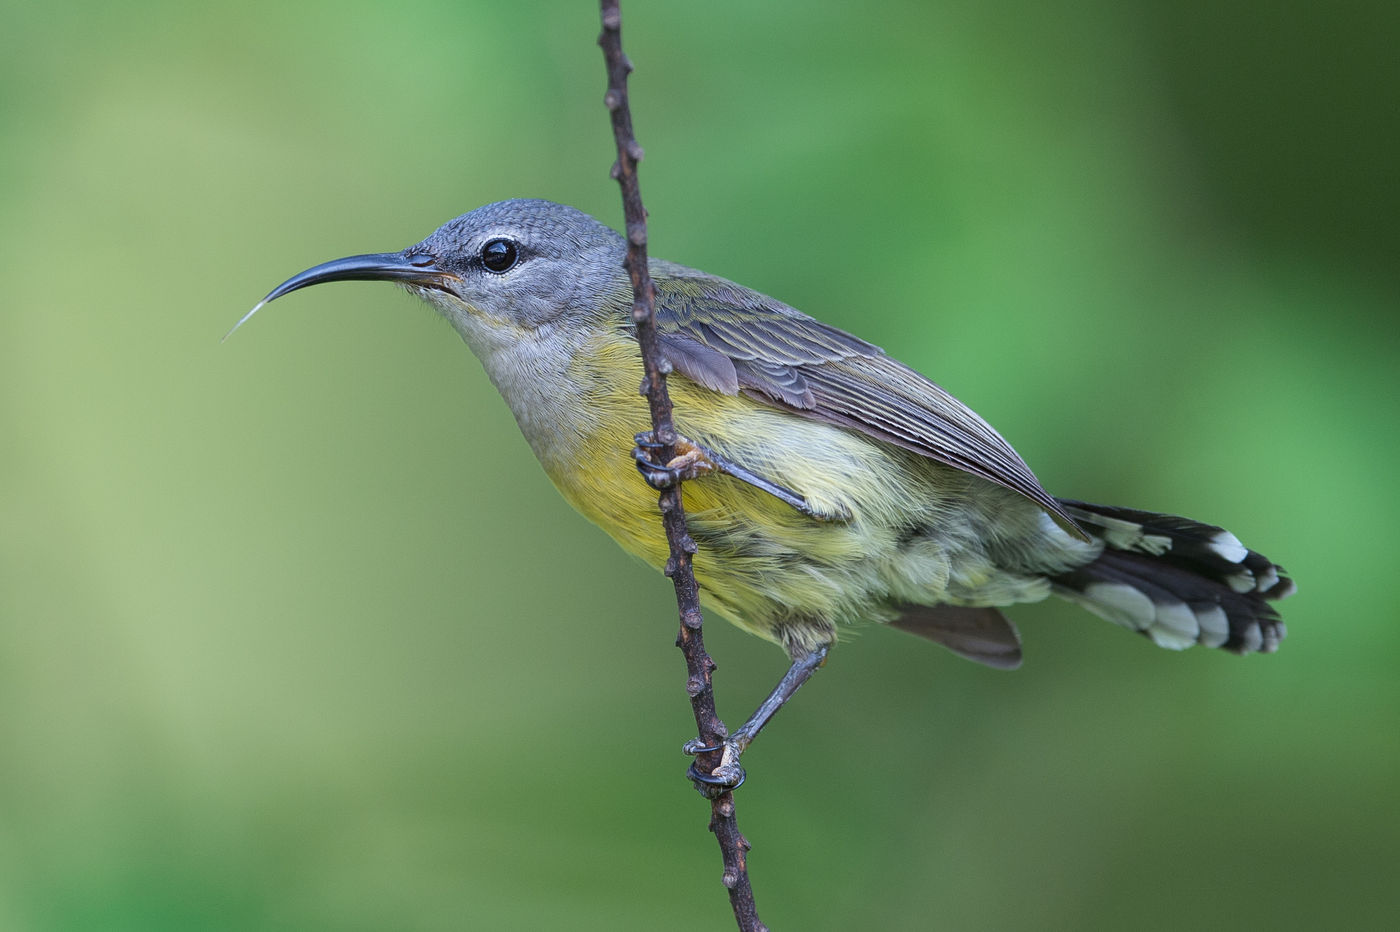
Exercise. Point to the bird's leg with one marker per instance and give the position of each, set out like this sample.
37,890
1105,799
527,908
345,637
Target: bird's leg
729,775
693,461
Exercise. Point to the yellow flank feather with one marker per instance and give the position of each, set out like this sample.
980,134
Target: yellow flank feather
765,566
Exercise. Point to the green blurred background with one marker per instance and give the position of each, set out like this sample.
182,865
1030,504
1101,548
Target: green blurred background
281,620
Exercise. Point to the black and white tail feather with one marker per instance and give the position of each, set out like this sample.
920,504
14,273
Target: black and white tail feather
1177,581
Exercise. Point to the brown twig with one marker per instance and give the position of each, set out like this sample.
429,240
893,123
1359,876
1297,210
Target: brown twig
690,640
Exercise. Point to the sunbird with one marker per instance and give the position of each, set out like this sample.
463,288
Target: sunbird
832,484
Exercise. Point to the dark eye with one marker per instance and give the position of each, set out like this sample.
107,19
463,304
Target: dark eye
499,255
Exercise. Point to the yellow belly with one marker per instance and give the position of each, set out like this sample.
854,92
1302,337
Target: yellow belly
767,567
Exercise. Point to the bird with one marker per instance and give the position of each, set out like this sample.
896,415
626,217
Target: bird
825,483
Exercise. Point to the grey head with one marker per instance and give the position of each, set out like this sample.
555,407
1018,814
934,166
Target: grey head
508,266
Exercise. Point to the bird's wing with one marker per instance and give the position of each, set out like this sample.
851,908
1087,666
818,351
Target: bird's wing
731,339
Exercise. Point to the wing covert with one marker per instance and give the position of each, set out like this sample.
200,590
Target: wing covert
730,339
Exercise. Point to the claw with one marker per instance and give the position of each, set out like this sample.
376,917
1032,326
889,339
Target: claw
689,462
724,779
695,746
728,775
647,440
658,477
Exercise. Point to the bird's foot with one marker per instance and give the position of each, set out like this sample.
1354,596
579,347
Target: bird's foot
689,461
727,776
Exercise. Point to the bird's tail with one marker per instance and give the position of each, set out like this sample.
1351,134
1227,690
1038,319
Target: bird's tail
1177,581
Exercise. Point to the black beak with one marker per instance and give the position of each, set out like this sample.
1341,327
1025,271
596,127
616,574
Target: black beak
374,267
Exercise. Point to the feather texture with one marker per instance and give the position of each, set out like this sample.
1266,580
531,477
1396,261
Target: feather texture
1178,581
720,334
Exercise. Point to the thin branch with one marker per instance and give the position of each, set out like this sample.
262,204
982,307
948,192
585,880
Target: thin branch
690,640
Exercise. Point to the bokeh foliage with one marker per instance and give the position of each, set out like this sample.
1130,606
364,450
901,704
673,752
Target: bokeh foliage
280,619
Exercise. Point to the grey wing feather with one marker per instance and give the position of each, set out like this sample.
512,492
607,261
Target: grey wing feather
700,363
981,634
731,339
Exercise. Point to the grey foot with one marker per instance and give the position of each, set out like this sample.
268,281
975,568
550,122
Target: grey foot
727,776
688,463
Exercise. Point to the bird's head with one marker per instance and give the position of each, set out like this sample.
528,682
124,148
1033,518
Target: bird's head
508,267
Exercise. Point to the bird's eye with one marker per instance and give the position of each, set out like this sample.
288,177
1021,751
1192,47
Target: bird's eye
499,255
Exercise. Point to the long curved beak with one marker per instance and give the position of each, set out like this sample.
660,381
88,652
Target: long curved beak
373,267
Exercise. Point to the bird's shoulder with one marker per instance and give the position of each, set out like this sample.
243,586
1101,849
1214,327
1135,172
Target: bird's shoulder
728,337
